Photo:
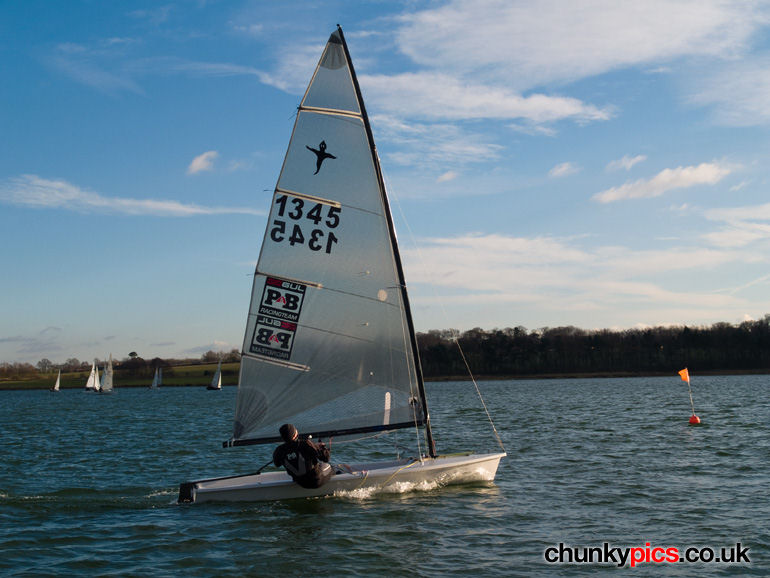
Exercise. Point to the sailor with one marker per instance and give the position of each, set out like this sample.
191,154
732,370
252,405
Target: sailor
306,462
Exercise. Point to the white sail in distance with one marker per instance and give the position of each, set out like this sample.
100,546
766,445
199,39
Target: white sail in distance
93,379
107,384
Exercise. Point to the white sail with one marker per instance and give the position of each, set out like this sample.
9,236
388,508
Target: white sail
160,376
93,379
216,381
107,385
156,379
328,333
57,385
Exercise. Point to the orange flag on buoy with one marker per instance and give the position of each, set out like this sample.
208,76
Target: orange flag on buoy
685,375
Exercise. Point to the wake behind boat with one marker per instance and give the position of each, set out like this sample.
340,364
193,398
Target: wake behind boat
330,344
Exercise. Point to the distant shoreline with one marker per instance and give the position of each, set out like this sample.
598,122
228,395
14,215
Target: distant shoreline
199,381
597,375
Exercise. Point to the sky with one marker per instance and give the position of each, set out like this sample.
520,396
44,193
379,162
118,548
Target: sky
595,163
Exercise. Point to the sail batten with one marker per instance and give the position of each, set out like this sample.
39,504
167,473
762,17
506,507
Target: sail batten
309,197
284,278
324,354
332,111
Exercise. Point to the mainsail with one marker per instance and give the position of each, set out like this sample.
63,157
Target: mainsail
157,379
329,342
216,381
107,377
93,379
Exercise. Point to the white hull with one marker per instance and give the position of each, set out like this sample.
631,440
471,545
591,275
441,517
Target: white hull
394,476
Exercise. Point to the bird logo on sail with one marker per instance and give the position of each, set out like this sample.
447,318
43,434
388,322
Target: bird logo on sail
321,155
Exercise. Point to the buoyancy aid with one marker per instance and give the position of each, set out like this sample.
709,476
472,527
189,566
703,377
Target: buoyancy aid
298,465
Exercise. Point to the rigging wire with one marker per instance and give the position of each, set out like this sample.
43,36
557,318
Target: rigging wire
455,338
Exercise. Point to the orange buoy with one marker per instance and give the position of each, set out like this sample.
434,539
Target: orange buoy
694,419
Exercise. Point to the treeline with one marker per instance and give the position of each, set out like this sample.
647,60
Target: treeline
132,365
569,350
520,352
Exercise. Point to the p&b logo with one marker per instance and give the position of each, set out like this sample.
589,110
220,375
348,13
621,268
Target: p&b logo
274,339
283,299
274,333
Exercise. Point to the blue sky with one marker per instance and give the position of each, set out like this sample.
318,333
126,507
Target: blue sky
597,163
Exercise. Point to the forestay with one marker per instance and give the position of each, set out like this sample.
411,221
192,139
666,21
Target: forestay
329,343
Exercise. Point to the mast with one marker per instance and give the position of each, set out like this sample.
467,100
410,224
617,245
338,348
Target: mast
396,253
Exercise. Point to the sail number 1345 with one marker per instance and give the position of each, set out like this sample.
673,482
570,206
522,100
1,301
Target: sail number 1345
308,223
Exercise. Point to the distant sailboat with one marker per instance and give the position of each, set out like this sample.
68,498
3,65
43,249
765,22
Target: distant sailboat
107,385
216,382
329,343
58,382
93,379
157,381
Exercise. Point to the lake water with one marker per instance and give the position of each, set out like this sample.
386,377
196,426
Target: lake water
88,484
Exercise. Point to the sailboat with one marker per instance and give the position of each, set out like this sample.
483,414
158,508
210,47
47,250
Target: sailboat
216,381
107,385
329,344
93,379
57,385
157,380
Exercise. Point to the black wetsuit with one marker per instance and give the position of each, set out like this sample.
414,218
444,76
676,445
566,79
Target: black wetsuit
305,462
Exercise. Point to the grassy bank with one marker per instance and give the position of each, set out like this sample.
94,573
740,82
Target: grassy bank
177,376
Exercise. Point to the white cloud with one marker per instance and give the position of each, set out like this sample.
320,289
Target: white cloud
294,68
626,163
738,92
534,44
45,342
665,181
447,176
739,214
155,16
532,129
203,162
563,170
438,96
435,144
480,273
255,30
213,346
36,192
741,225
91,67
